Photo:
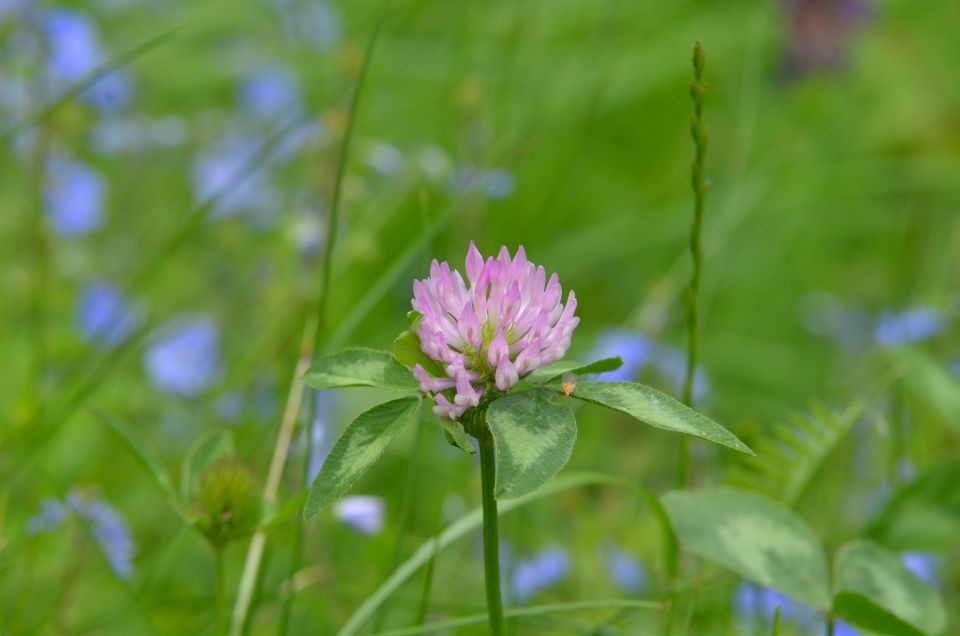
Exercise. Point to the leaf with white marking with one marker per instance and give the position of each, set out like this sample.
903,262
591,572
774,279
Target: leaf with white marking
357,449
875,591
755,537
534,432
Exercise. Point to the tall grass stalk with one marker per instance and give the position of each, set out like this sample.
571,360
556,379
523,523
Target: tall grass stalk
310,343
698,131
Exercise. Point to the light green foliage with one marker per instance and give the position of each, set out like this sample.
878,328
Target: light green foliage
357,449
534,432
924,514
359,366
656,409
455,436
227,502
931,382
874,590
755,537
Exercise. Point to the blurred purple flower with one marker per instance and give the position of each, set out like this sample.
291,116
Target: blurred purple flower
634,348
755,607
910,325
73,196
541,571
104,315
625,569
185,358
271,94
363,513
227,173
924,566
819,32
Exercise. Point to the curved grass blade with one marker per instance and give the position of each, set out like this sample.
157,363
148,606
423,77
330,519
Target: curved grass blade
523,612
119,61
472,520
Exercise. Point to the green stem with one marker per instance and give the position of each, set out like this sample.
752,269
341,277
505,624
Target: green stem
220,602
491,536
698,131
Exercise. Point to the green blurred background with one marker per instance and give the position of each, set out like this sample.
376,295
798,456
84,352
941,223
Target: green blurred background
833,160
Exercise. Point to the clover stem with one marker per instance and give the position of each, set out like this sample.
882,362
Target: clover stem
491,536
220,604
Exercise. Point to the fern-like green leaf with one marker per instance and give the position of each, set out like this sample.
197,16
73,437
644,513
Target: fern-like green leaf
791,453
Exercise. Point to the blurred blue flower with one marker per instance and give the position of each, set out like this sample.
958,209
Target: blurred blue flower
924,566
319,433
9,7
112,92
634,348
271,94
541,571
755,606
104,315
363,513
314,23
226,173
109,529
499,183
185,358
625,569
229,406
385,158
911,325
73,196
843,628
51,516
73,43
107,526
819,32
672,364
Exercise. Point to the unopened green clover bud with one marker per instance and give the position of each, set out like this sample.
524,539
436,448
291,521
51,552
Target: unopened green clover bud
227,502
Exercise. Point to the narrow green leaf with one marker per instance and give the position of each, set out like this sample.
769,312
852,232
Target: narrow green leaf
277,517
407,350
202,454
534,432
931,382
656,409
755,537
453,432
358,448
360,367
554,372
875,591
147,459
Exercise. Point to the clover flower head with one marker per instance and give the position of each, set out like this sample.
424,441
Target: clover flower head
505,321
